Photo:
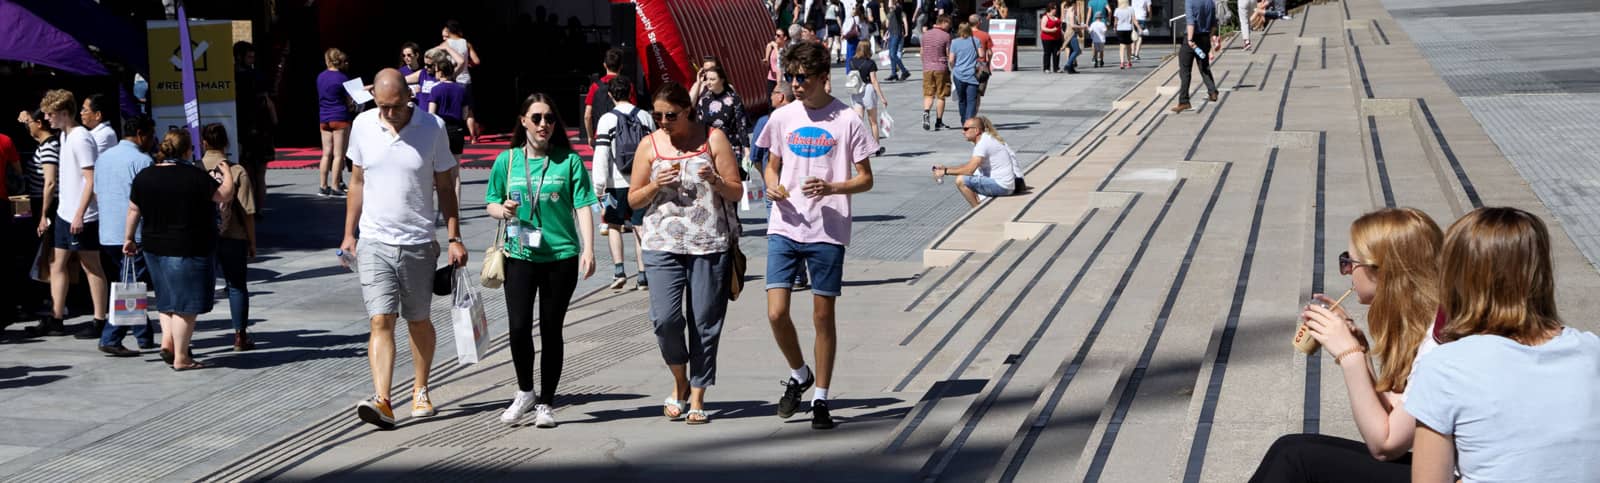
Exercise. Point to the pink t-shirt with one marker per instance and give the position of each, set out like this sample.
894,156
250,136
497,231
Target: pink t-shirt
824,143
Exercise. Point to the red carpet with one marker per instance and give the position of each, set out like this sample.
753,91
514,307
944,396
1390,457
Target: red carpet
475,156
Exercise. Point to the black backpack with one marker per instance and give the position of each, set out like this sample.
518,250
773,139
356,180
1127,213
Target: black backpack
602,104
625,139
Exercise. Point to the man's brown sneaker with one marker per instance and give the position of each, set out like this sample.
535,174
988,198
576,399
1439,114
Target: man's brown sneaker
1180,108
1212,97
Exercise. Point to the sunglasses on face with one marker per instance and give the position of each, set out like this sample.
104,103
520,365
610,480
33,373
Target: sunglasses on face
538,118
968,128
795,77
665,117
1348,265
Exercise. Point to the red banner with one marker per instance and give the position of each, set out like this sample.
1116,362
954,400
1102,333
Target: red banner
1004,34
673,35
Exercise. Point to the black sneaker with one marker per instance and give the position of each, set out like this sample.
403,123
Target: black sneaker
940,125
118,351
926,121
324,192
820,419
790,402
91,331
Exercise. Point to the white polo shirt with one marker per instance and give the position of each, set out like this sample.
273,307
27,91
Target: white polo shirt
104,137
397,171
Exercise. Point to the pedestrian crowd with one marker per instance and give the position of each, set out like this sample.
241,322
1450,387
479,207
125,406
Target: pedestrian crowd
141,208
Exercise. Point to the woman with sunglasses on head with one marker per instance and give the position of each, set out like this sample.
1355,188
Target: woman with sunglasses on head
1513,394
1392,269
418,71
542,190
687,178
719,107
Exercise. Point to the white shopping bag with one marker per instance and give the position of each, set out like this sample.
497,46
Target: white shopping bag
130,300
468,321
885,123
744,201
882,58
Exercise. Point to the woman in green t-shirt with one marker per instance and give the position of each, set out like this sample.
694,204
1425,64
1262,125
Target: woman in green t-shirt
541,189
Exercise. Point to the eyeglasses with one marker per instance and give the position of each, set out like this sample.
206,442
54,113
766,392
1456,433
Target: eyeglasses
795,77
538,118
665,117
1348,265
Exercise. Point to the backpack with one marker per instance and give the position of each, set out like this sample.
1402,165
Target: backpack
602,104
625,139
854,85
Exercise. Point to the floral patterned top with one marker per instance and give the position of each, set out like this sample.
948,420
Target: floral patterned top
725,111
687,219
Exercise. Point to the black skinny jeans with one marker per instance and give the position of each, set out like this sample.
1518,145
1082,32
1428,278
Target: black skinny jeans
1052,55
524,281
1322,458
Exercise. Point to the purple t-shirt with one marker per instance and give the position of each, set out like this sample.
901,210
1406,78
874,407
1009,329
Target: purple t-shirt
425,82
934,43
824,143
331,97
452,100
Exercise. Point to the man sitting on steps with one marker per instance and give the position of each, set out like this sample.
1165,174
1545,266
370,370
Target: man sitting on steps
993,169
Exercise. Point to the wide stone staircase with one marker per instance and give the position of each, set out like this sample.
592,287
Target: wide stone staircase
1130,319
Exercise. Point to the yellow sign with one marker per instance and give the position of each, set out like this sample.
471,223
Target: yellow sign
212,42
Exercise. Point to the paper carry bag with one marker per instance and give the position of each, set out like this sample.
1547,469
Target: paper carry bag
468,321
130,299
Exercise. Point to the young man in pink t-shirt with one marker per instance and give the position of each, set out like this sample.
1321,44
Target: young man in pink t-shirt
813,145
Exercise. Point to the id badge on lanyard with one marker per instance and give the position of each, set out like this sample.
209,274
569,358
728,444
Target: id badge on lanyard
534,237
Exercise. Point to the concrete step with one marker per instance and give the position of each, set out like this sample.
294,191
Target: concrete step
946,394
1038,409
938,282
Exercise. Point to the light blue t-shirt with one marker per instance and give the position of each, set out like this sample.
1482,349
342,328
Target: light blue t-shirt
1518,413
964,59
113,181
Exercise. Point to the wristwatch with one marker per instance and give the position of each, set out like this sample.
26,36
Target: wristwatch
454,240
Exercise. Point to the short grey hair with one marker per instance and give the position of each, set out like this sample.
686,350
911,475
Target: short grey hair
787,91
794,30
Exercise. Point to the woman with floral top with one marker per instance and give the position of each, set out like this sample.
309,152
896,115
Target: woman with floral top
721,108
686,178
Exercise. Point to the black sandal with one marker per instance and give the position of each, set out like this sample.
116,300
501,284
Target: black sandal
192,366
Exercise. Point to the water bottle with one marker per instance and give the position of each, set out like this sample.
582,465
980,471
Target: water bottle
1199,53
514,225
346,260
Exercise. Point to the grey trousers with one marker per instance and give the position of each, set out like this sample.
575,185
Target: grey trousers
700,284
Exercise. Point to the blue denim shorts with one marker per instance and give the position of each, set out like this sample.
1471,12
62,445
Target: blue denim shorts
986,186
183,285
824,261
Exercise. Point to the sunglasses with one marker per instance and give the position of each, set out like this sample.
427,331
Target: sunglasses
538,118
968,128
1348,265
795,78
665,117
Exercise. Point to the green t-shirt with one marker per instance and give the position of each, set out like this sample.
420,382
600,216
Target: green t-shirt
566,188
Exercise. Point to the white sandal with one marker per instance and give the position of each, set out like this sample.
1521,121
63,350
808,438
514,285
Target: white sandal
681,405
697,416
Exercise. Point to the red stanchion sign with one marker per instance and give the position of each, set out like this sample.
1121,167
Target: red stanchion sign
1004,34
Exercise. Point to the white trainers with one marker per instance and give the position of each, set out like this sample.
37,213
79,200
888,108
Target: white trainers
519,408
543,417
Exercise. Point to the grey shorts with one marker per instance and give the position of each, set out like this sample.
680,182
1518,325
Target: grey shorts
397,280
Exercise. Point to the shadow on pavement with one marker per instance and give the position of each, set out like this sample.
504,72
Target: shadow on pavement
19,376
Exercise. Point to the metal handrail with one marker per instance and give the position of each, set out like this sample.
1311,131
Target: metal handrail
1171,27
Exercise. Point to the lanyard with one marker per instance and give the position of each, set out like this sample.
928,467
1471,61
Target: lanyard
537,193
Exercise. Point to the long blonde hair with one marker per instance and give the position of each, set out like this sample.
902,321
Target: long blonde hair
1501,281
987,126
1401,246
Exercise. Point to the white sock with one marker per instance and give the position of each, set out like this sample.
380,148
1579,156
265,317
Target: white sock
802,374
821,394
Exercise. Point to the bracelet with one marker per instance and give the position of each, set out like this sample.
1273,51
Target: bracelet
1341,355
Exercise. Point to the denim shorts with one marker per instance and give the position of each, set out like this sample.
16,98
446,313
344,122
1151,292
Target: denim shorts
183,285
986,186
824,261
88,239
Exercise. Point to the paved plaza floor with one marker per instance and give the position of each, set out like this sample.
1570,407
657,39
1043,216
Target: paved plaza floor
1128,320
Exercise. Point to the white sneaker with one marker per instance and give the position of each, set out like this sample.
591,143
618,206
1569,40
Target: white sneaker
618,282
543,417
519,408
